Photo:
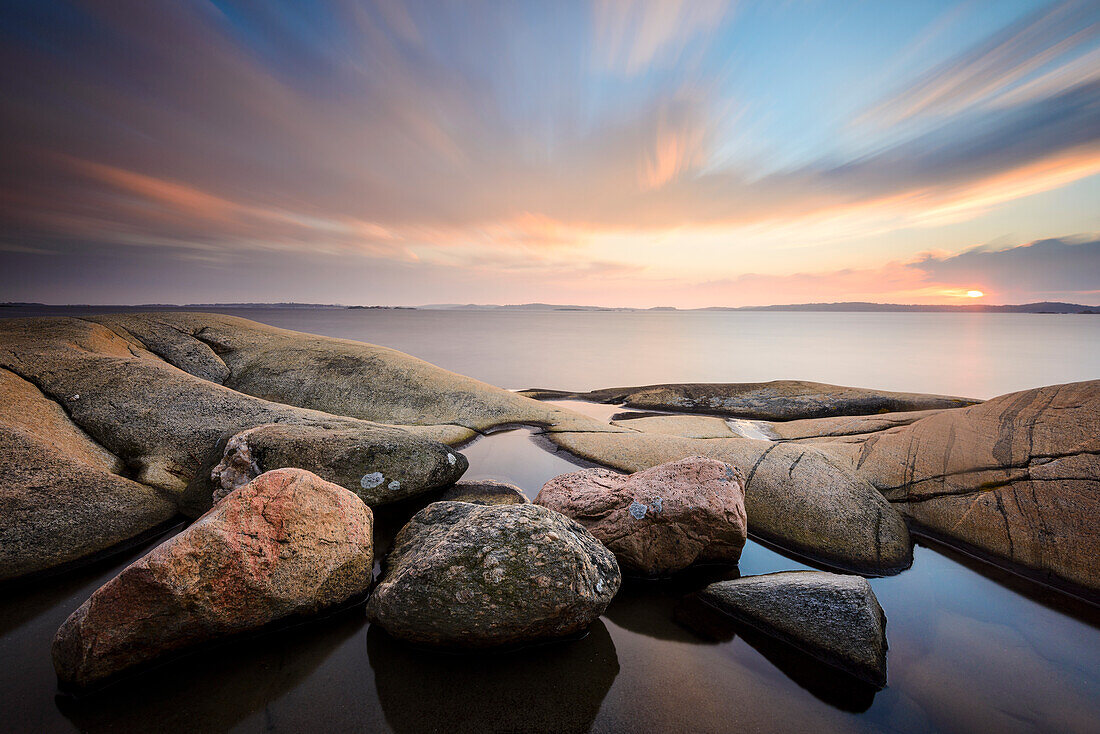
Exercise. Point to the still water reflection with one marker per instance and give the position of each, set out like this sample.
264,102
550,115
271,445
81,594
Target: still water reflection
966,654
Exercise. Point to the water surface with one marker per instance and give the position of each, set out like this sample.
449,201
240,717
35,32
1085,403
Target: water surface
969,354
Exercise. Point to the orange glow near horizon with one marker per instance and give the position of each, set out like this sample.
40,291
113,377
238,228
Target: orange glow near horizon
974,294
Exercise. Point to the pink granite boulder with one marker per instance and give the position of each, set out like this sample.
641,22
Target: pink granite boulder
286,545
660,520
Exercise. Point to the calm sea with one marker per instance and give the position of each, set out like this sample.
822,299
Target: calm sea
968,354
972,649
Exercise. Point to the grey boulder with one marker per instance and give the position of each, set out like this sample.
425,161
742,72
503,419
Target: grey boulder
832,617
472,576
380,465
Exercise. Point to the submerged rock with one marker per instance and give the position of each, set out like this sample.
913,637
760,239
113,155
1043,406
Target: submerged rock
380,466
797,496
1016,478
62,496
778,400
660,520
473,576
288,544
484,492
833,617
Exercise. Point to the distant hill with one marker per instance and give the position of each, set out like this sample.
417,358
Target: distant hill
846,306
517,307
1041,307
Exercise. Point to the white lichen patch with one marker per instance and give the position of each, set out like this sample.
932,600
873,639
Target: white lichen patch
451,459
637,510
394,485
371,480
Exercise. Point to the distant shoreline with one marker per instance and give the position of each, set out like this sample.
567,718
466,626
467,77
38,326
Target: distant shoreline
1043,307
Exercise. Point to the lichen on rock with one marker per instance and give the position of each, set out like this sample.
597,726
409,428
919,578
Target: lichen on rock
474,576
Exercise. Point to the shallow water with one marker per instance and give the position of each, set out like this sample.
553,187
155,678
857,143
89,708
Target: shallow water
971,649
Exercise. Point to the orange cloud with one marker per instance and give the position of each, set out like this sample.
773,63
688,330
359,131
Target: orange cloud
1033,178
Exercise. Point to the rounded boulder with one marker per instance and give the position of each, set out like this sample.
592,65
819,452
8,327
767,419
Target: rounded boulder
476,576
660,520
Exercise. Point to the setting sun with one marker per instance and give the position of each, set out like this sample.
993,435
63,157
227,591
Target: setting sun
974,294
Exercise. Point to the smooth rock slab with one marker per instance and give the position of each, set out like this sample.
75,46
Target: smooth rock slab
484,492
162,422
833,617
1016,479
660,520
777,400
474,576
61,495
337,376
288,544
378,465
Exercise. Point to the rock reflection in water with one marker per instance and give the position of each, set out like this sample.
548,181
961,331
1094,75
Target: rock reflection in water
825,682
215,690
647,606
520,457
557,687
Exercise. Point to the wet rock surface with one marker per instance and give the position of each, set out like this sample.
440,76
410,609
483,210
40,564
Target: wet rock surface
840,427
286,545
778,400
835,618
461,575
660,520
484,492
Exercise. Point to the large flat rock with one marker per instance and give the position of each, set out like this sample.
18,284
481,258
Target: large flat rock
1016,478
778,400
337,376
838,427
62,496
168,426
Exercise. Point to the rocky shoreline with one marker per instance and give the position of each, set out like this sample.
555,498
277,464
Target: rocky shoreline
280,444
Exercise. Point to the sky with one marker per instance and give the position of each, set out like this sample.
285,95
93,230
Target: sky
636,153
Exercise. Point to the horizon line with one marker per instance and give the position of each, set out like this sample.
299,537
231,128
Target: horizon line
558,306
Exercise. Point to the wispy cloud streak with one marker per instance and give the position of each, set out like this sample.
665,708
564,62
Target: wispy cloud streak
545,137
